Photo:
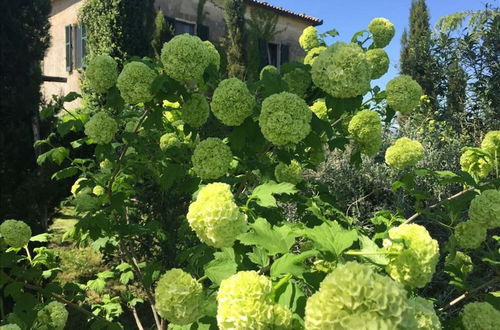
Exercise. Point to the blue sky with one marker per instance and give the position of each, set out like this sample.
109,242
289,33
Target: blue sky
350,16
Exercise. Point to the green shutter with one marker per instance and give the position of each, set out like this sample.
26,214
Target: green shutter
285,54
69,48
263,53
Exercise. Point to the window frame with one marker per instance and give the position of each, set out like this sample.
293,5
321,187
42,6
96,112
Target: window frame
185,21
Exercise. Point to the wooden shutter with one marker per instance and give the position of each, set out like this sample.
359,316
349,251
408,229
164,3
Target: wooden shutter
69,48
202,32
263,53
84,44
285,54
78,46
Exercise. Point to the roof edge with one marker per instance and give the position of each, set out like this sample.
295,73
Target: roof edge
285,12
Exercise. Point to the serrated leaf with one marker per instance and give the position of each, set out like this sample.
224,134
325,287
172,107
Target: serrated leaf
259,257
126,277
71,96
273,240
222,266
123,267
263,194
292,264
292,296
44,237
367,245
331,237
65,173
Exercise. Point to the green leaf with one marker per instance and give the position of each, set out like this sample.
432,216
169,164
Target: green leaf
57,155
292,264
44,237
223,266
264,193
292,296
259,257
331,237
273,240
65,173
367,245
70,97
126,277
341,106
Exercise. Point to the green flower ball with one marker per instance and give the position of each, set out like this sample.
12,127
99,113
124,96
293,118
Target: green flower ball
52,317
195,111
379,62
289,173
485,209
101,128
343,70
245,302
366,130
309,38
459,261
10,327
425,314
212,54
313,54
98,190
382,31
353,296
15,233
211,159
270,70
491,144
403,94
404,153
298,81
469,235
480,315
285,118
232,102
415,256
101,73
186,57
179,297
169,141
134,83
476,164
320,109
215,217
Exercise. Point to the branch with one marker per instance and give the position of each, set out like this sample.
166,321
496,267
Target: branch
416,215
467,294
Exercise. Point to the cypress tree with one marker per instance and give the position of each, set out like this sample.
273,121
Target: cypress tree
234,15
416,59
163,32
457,84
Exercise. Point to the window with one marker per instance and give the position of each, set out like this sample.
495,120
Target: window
182,27
273,54
69,47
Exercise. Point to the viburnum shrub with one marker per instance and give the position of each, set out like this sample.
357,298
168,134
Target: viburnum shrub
199,193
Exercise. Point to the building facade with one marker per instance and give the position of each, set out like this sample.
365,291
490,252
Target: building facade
65,57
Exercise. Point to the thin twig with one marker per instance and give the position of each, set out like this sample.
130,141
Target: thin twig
136,318
467,294
416,215
356,202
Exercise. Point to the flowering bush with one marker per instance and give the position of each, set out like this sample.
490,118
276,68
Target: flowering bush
476,163
485,209
480,315
403,94
285,118
215,217
289,173
309,38
379,62
491,144
404,153
195,111
101,128
179,298
232,102
134,82
169,141
366,129
425,314
313,54
101,73
469,235
342,70
53,316
211,158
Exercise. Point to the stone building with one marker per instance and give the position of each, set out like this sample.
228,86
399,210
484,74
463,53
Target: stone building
65,57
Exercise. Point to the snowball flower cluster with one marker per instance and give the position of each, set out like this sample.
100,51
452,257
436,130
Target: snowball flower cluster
101,73
298,81
134,83
425,314
320,109
353,296
195,111
459,261
186,57
312,54
285,118
98,190
403,94
469,235
491,144
382,31
169,141
268,70
179,297
342,70
289,173
485,209
404,153
366,129
379,62
211,158
52,317
101,128
15,233
309,38
215,217
10,327
232,102
413,255
245,302
475,163
480,315
212,54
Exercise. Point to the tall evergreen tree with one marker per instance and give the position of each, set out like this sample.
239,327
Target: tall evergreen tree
163,32
234,15
416,59
457,85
